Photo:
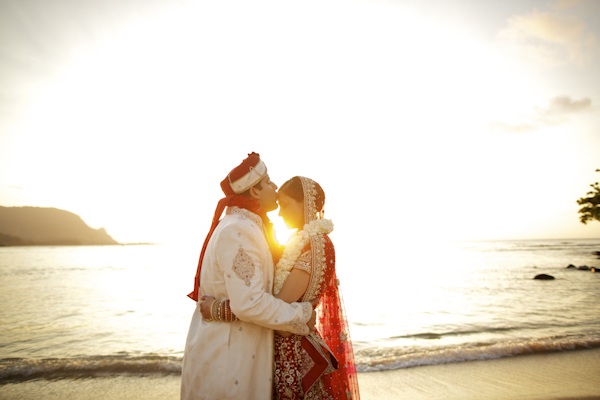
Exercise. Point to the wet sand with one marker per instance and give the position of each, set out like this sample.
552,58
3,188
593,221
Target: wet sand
556,376
553,376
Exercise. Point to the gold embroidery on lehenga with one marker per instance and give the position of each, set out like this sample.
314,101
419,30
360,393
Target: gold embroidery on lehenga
319,265
286,372
317,392
291,367
304,262
243,266
306,363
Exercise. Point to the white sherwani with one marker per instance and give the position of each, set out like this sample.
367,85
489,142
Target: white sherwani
234,360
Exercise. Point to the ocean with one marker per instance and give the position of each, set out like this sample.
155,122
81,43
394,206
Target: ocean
111,311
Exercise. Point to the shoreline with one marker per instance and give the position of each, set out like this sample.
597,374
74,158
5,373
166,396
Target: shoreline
553,376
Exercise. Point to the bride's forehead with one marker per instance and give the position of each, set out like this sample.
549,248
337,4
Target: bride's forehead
284,197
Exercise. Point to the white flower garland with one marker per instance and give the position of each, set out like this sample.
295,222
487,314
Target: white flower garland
294,246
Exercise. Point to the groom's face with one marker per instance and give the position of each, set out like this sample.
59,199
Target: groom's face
268,194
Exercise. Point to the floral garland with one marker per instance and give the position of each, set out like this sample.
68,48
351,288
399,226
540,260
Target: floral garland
294,246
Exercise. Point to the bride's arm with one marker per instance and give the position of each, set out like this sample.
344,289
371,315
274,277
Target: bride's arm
294,286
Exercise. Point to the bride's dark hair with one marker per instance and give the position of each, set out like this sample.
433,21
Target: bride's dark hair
293,189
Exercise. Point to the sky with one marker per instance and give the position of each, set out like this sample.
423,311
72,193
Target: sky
422,120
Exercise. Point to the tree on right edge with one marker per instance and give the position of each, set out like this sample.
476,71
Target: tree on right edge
591,204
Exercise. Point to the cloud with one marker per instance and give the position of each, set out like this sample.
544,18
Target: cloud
563,4
552,37
586,6
564,105
556,113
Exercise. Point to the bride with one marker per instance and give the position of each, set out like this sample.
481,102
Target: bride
320,365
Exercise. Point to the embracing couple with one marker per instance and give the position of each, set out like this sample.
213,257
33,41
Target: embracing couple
269,323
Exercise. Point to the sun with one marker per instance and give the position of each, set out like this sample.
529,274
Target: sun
282,232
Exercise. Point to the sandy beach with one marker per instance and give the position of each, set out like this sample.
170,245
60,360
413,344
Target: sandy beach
567,375
555,376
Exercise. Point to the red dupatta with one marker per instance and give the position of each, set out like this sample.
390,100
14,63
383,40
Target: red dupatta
333,326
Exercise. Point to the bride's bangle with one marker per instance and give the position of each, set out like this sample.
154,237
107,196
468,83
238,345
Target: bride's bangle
220,311
211,314
212,310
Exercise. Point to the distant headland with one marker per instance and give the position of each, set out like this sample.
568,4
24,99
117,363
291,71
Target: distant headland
37,226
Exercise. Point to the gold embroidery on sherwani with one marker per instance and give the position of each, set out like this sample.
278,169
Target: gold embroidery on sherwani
243,266
299,323
244,214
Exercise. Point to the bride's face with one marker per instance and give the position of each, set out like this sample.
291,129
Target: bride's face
291,211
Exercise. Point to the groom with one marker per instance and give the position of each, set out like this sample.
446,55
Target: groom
234,360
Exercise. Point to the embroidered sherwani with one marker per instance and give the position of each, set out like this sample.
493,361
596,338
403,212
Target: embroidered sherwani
234,360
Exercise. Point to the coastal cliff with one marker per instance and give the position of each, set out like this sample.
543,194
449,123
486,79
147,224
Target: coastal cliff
27,226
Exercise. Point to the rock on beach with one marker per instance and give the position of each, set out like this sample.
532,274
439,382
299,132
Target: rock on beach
544,277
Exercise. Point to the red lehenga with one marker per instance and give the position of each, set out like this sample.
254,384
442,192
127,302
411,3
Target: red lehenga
321,365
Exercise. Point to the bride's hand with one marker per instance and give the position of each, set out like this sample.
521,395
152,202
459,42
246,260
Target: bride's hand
205,306
283,333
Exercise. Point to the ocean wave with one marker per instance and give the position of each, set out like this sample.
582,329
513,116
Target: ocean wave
519,246
389,359
23,369
481,330
434,335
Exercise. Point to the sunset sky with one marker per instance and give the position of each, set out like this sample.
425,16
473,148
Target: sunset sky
422,120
